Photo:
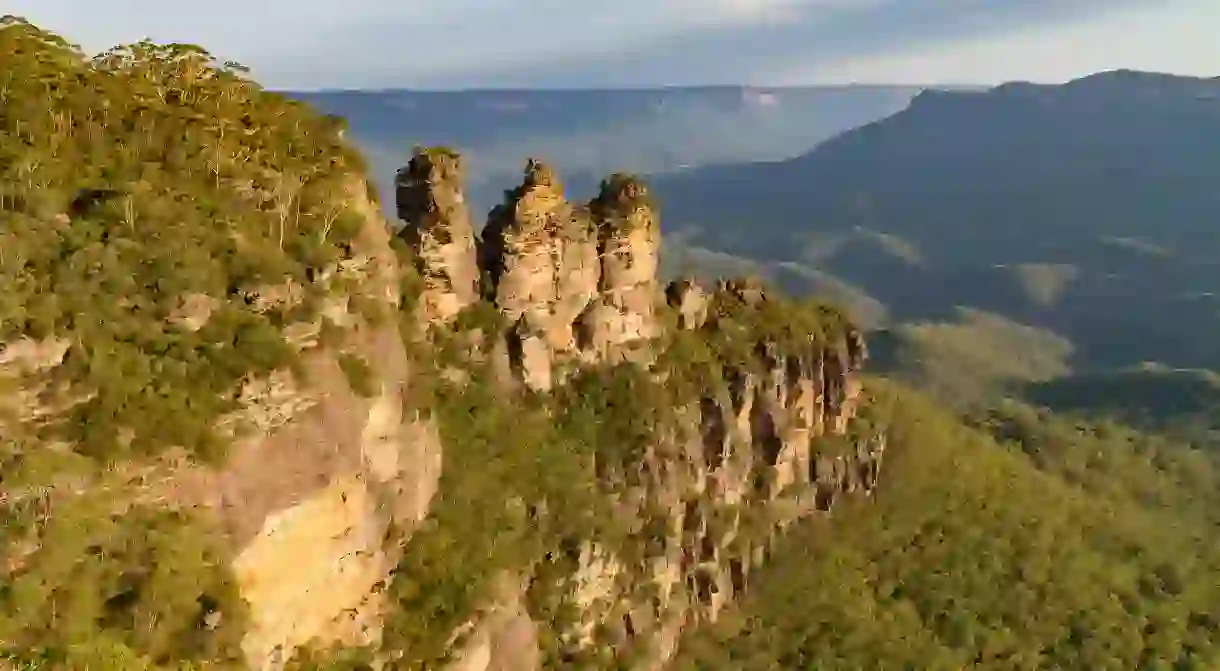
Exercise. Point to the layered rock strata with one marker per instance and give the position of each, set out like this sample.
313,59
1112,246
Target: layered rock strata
774,444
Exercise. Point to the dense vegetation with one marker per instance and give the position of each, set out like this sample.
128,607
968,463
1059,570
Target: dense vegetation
524,484
139,179
973,359
133,186
1035,543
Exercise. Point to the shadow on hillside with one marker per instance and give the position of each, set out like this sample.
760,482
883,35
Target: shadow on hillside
1175,400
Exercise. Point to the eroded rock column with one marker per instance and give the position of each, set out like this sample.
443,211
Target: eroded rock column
629,241
436,227
521,255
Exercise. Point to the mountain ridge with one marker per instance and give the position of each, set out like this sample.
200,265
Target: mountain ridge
1051,175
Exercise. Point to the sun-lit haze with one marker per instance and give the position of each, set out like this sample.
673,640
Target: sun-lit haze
578,43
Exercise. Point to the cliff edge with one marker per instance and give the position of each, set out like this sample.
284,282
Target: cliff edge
247,423
741,414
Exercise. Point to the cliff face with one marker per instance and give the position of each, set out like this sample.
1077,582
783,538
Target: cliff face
768,436
720,416
324,478
241,422
319,502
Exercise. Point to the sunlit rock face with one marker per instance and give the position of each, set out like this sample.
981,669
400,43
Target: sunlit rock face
773,441
574,283
436,225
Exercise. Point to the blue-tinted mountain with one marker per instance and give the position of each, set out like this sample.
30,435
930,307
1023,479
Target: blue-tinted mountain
587,134
1091,208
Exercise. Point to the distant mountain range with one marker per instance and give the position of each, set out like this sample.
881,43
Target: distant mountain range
1090,208
589,133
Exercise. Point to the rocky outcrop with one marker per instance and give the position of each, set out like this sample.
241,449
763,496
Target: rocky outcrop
629,241
573,283
539,254
320,498
774,440
777,443
436,226
689,301
325,476
333,463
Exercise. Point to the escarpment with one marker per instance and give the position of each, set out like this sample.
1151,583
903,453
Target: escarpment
207,449
326,469
244,421
747,408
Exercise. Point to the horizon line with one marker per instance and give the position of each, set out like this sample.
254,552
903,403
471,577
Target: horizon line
742,87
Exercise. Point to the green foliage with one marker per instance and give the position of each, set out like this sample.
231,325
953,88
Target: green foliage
500,463
437,150
132,184
359,375
792,326
133,180
1046,547
1181,403
106,584
525,481
336,659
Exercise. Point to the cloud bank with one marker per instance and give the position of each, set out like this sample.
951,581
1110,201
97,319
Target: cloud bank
592,43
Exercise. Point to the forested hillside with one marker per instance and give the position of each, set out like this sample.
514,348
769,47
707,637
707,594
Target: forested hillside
1086,208
1026,543
145,194
248,423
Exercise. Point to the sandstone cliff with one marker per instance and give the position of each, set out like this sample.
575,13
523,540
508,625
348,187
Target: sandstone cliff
327,471
513,450
574,283
762,434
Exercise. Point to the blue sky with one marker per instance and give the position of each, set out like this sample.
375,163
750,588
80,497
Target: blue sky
593,43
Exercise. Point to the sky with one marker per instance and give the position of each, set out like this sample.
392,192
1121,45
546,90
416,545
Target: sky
450,44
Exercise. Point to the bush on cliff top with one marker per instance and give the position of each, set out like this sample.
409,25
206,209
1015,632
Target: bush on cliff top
128,183
136,179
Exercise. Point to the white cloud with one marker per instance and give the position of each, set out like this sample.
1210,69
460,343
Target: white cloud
765,11
457,43
1178,38
768,11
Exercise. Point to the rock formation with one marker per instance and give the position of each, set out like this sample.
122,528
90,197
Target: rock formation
628,242
335,461
322,497
574,283
436,225
228,391
577,286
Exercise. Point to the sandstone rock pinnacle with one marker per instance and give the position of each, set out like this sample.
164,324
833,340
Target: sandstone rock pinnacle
436,226
629,243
